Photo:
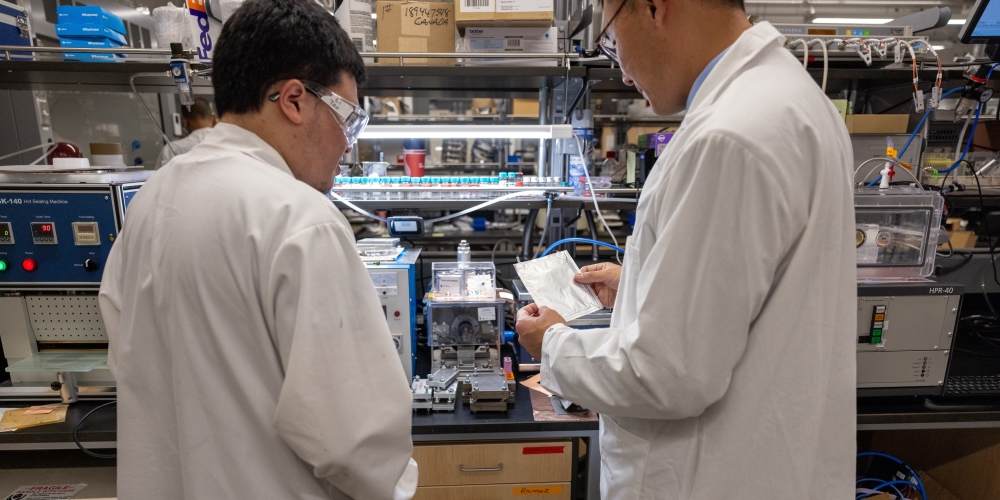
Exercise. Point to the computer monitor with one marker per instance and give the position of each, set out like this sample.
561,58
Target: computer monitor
983,26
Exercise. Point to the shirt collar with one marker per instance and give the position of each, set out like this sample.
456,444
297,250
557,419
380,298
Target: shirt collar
701,78
235,138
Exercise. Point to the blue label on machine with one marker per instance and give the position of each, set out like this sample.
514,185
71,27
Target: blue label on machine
55,237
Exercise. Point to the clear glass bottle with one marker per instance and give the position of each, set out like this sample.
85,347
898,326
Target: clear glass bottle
364,194
395,183
519,179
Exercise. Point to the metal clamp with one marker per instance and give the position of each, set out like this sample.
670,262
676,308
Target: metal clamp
462,468
22,26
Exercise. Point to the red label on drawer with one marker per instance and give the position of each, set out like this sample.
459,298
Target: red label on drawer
544,450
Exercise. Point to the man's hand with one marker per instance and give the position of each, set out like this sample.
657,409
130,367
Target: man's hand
603,278
532,321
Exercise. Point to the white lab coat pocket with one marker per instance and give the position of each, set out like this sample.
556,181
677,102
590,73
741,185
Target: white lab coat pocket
623,461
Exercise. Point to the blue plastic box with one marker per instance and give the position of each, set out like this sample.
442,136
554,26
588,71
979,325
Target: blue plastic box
89,31
91,14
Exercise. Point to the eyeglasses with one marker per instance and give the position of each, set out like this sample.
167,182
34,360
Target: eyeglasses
351,117
604,42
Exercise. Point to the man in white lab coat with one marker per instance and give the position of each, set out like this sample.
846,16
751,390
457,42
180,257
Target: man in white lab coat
198,119
252,357
728,370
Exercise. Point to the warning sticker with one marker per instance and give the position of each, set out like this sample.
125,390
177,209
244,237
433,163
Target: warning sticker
46,492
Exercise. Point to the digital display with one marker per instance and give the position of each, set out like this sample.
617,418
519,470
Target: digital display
406,226
6,236
43,233
85,234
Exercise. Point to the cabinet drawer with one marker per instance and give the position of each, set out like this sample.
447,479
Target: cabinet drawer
480,463
547,491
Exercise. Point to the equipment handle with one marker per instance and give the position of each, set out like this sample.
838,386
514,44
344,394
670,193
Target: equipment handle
462,468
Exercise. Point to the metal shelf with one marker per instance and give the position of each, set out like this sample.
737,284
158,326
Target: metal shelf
104,77
455,205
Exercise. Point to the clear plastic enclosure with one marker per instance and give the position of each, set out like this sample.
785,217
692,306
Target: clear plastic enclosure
464,323
464,281
896,232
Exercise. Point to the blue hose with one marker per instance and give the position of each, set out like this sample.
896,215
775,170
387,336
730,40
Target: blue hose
581,240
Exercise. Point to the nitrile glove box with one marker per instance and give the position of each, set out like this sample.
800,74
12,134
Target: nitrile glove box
81,57
89,31
91,14
88,43
657,141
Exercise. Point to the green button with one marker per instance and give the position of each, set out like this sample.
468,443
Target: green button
868,32
877,332
876,339
3,265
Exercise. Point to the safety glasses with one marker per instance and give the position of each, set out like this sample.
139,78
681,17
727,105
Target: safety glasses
608,46
351,117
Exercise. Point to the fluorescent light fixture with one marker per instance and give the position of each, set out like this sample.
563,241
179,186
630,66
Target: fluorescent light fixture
937,47
956,21
848,20
467,132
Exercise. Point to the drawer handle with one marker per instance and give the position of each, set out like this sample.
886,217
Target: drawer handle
462,468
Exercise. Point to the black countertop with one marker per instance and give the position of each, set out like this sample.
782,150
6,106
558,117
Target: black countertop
879,412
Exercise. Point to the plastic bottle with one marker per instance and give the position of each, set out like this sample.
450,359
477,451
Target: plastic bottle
404,182
502,179
395,183
465,184
365,185
464,252
519,180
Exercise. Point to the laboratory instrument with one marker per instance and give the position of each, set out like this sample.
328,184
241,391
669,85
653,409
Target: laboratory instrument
393,272
56,231
897,231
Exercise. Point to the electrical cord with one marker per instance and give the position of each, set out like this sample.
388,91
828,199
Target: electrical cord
545,228
919,485
131,83
826,61
986,224
593,195
76,434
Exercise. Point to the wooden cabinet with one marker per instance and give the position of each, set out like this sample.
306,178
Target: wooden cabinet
549,491
528,470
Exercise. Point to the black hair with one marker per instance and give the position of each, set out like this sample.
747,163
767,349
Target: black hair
200,110
266,41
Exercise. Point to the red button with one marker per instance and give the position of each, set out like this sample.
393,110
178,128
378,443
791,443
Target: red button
396,314
29,264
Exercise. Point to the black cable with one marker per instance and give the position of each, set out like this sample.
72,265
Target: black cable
76,434
569,112
986,224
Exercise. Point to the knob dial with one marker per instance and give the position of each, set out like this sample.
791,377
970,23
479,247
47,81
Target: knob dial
90,265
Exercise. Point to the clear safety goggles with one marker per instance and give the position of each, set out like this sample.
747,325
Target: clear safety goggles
351,117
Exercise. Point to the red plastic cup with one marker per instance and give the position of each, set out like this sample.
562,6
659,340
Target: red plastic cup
413,162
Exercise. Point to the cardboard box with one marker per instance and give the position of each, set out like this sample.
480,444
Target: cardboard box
504,13
877,124
525,107
514,40
416,27
657,141
90,14
962,462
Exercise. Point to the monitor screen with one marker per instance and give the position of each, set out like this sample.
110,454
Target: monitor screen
983,24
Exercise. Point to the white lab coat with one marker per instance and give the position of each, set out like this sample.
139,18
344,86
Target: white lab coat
181,146
252,356
728,370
